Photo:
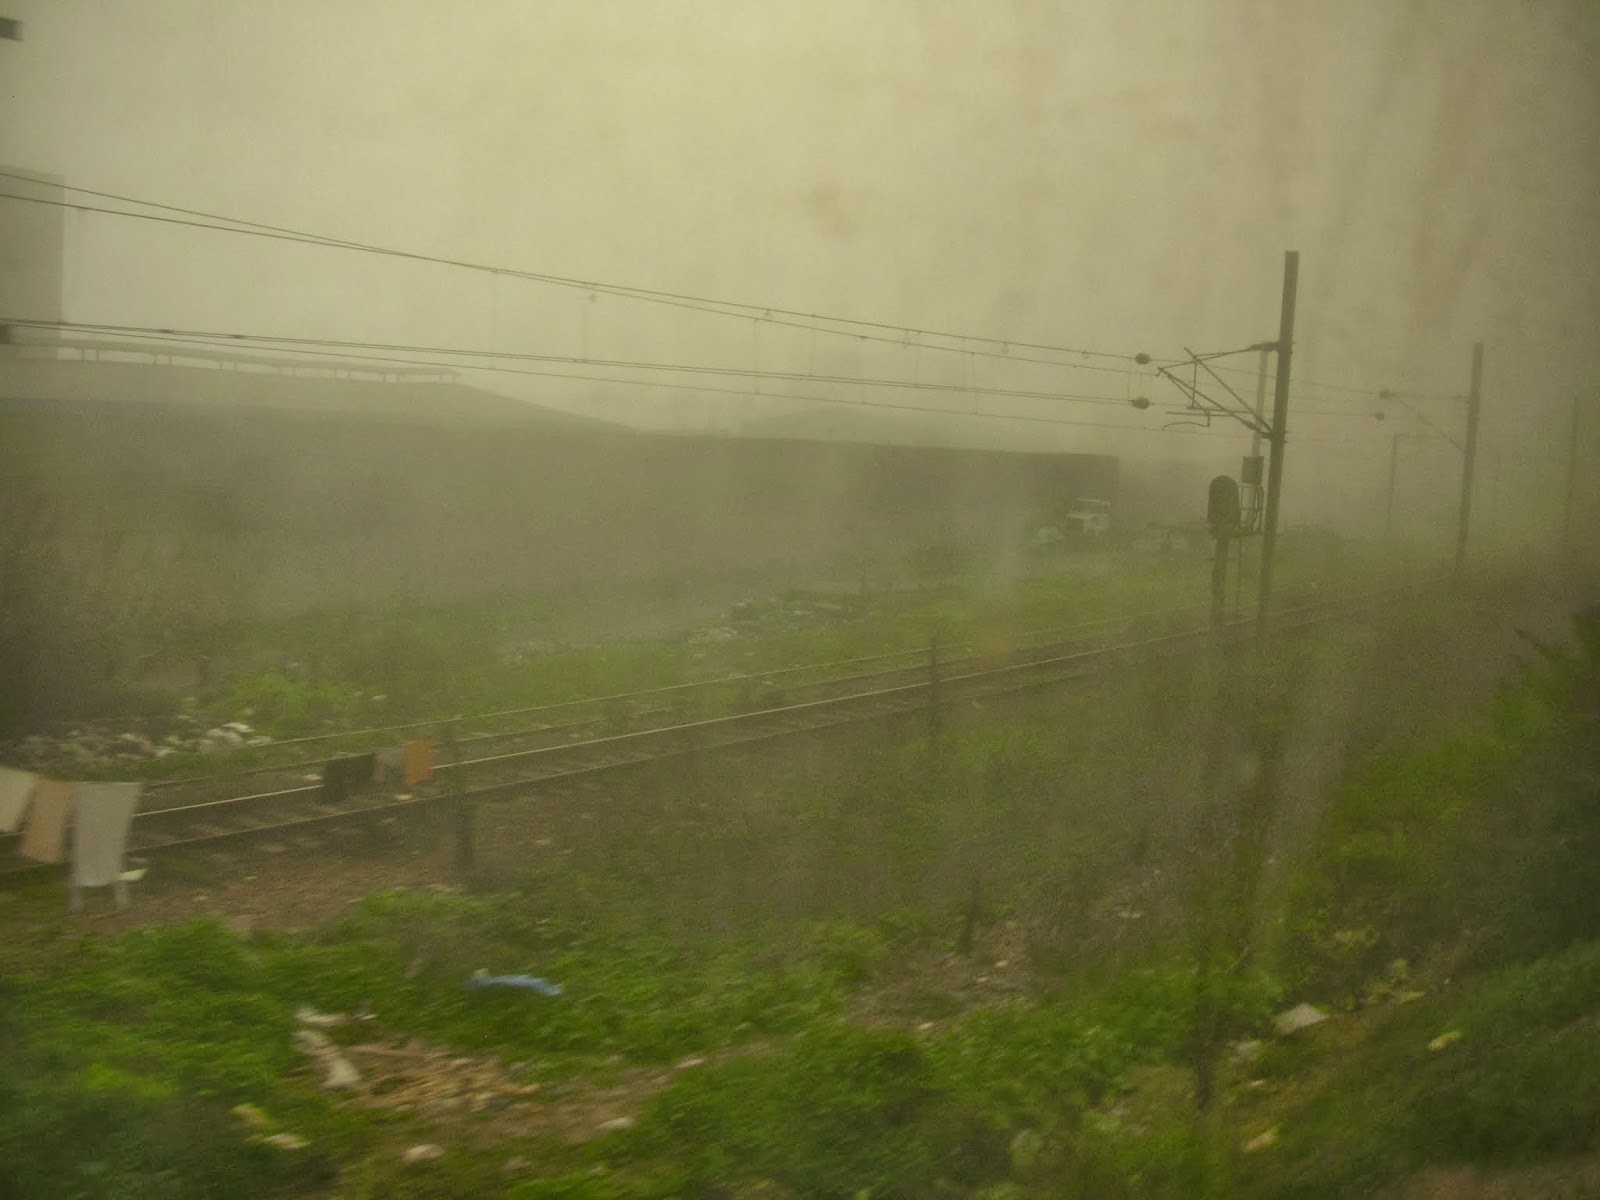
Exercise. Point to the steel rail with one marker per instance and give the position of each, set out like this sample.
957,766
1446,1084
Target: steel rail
293,819
660,730
686,738
726,681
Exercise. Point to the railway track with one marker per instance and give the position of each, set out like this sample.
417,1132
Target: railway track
283,812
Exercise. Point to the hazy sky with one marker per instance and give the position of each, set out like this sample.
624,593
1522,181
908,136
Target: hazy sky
1115,175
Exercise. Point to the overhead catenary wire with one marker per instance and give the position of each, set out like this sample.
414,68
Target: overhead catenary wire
222,337
683,387
165,339
771,314
776,315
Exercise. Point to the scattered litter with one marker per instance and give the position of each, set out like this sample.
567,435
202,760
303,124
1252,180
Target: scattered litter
1301,1016
133,876
311,778
1261,1141
615,1125
306,1015
482,979
252,1116
341,1073
1026,1148
286,1141
433,1084
425,1152
1448,1038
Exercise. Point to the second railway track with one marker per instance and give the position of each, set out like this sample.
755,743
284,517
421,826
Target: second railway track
293,815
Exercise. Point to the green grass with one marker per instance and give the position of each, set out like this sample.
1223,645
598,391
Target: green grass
1522,1084
410,661
124,1054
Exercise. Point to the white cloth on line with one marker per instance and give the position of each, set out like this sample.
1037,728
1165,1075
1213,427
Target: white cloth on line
101,815
47,821
16,789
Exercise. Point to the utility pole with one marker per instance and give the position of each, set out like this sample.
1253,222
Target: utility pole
1394,470
1474,404
1572,478
1261,404
1276,437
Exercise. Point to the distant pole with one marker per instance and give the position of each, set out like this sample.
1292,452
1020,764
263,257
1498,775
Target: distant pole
1572,478
1219,578
1261,403
1474,404
1394,470
1277,435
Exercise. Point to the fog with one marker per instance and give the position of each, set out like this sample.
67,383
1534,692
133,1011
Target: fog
1107,177
575,566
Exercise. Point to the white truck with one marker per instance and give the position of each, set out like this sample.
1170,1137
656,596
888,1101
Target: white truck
1088,518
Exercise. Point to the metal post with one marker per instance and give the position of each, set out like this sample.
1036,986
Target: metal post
1394,468
1219,578
1572,479
1277,437
461,809
1474,404
1261,404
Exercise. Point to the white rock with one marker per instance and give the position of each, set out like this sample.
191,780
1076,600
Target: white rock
1301,1016
286,1141
1261,1141
341,1072
252,1116
615,1125
306,1015
422,1153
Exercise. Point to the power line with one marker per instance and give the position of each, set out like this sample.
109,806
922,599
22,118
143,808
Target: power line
739,310
222,337
196,343
198,219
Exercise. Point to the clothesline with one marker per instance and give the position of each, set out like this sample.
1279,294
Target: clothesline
99,815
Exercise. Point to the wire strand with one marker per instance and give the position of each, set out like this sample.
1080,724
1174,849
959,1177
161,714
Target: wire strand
777,315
